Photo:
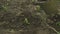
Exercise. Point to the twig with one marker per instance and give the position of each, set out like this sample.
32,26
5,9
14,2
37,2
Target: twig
51,28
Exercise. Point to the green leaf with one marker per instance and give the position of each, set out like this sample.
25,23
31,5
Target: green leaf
38,8
26,21
58,23
5,7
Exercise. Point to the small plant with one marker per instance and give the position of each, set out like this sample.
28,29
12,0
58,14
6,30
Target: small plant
33,0
26,21
38,8
58,23
5,6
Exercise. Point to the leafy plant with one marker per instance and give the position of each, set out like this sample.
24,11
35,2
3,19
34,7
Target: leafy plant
58,23
38,8
26,21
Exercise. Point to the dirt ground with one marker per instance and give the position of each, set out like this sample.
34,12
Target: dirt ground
13,14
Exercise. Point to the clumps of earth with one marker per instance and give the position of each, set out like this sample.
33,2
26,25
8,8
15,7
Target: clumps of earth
18,15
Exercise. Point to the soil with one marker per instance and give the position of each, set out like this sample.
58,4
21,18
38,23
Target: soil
12,16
